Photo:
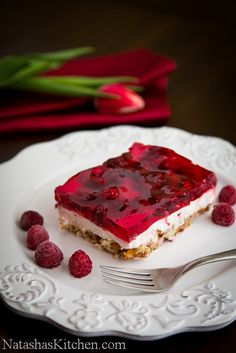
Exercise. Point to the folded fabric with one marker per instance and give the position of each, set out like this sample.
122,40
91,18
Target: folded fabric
25,111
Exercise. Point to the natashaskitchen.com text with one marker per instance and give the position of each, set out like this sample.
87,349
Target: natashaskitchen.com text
61,344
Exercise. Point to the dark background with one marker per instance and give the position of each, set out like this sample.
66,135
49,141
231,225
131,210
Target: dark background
199,35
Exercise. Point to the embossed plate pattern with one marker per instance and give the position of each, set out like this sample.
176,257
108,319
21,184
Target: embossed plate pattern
202,300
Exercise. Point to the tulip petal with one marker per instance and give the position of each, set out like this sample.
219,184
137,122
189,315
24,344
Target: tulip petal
128,101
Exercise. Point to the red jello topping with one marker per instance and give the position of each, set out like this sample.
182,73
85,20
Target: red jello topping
127,194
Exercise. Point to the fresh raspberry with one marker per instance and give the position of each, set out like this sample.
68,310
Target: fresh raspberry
36,235
223,214
80,264
30,218
48,254
228,195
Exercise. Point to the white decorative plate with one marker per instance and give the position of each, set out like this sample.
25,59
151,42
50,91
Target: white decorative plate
205,299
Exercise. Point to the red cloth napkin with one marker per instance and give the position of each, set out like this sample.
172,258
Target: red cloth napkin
21,111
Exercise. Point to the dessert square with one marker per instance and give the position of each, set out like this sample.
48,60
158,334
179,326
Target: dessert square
129,204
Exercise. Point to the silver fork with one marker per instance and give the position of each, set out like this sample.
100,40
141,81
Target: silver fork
160,279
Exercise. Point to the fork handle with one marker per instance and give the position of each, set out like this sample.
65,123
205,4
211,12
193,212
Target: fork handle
220,256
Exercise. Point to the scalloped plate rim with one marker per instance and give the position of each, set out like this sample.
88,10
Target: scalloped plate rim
116,333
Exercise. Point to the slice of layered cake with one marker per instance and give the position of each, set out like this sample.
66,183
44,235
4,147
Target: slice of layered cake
131,203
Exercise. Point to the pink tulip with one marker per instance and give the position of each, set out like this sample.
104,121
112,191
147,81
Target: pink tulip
127,101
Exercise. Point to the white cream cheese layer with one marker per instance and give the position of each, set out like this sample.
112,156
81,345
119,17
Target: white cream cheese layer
167,225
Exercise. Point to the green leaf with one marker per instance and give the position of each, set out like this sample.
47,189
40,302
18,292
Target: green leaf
14,68
93,81
46,85
9,66
33,68
63,55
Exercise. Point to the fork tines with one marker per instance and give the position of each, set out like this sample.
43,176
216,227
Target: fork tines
134,279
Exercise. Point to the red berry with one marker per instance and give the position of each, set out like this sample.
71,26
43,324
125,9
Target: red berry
112,193
30,218
187,184
36,235
48,254
223,214
80,264
97,171
228,194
